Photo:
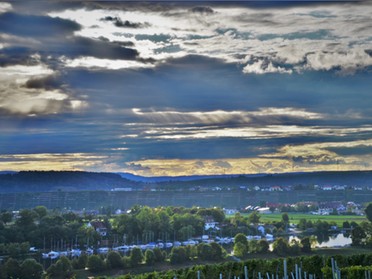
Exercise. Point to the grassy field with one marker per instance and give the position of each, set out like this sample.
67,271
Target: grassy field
296,217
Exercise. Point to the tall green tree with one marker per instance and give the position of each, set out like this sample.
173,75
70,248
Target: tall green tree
12,269
280,246
254,217
204,251
217,251
240,250
41,211
136,256
95,264
149,257
114,260
368,212
241,238
263,246
6,216
240,245
357,236
306,245
26,219
62,269
178,255
80,262
159,254
31,269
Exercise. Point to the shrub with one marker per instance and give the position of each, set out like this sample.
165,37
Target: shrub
114,260
96,264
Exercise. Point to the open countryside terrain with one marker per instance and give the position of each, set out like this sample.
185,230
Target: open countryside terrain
295,218
78,190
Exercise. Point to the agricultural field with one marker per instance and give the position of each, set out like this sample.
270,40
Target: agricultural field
294,218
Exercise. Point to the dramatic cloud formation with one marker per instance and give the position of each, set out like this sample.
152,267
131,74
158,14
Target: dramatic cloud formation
177,88
25,91
263,41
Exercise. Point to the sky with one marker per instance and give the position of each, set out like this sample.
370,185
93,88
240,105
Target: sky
186,88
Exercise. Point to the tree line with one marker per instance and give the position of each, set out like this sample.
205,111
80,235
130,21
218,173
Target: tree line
35,226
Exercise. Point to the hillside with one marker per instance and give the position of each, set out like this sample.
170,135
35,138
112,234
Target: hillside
47,181
350,178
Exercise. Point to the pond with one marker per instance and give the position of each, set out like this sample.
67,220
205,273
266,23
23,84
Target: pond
335,240
338,240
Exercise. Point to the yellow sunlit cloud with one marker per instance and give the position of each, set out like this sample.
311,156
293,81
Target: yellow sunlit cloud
49,161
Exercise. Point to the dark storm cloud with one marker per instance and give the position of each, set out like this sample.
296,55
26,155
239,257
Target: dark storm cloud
268,4
35,26
16,56
322,159
81,46
69,47
259,17
126,23
48,82
53,37
36,7
356,150
202,10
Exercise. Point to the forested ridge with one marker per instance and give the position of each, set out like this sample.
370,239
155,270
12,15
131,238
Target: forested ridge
45,181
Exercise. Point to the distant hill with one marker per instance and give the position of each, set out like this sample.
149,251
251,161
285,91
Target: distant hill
349,178
157,179
46,181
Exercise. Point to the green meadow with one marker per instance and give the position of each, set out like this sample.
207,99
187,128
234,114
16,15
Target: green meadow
294,218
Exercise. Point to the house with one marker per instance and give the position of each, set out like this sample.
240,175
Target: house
99,227
275,188
264,210
126,189
230,211
210,224
339,187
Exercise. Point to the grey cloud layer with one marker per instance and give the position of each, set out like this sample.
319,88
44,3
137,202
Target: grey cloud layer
323,37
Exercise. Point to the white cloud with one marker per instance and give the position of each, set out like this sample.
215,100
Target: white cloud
290,112
265,132
92,62
304,38
5,7
259,68
222,116
21,73
350,60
